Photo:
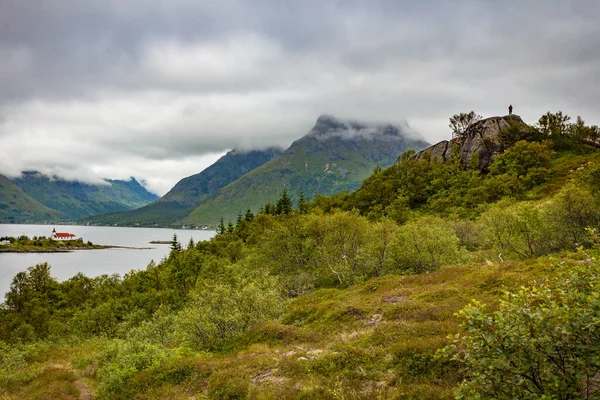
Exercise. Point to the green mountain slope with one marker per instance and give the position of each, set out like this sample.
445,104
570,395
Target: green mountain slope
77,200
334,156
191,191
17,207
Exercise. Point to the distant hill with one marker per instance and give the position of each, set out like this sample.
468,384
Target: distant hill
76,199
334,156
191,191
18,207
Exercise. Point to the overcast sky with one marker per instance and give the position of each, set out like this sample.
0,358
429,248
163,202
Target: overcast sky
160,89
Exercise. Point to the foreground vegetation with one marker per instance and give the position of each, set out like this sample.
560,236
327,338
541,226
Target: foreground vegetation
432,280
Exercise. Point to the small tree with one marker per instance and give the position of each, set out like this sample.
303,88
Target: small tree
459,123
554,124
517,131
269,208
221,228
302,203
249,216
284,204
175,245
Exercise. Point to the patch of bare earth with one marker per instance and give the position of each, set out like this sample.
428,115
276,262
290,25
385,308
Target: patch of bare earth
85,393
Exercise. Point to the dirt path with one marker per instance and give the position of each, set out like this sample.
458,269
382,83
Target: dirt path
85,393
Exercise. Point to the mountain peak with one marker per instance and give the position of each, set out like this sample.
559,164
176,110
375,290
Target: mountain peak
328,122
328,126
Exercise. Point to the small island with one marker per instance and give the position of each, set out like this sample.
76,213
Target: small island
42,244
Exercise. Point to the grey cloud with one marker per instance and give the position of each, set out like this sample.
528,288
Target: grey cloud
148,86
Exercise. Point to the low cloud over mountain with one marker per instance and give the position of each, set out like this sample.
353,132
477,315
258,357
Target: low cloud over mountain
160,90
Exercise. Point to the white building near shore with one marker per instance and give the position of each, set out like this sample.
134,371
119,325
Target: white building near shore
62,235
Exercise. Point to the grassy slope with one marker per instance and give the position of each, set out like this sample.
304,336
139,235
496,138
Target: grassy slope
564,167
78,200
313,166
17,206
373,340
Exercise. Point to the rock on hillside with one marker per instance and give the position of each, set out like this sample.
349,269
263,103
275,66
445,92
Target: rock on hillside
482,138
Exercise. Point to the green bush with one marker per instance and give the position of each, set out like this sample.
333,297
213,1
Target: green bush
102,320
517,229
15,363
424,245
570,212
120,361
221,311
542,343
530,229
160,329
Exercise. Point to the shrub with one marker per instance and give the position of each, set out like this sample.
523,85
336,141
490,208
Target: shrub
221,311
14,360
543,342
518,229
528,161
120,361
424,245
102,320
159,329
570,212
337,241
532,229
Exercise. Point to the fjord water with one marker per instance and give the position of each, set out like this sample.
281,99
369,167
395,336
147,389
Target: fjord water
92,262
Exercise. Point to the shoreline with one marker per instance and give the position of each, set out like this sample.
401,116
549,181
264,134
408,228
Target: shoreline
70,249
172,227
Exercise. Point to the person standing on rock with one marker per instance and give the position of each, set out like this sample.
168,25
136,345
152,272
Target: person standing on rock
510,109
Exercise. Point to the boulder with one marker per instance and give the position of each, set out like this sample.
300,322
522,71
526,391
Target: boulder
481,138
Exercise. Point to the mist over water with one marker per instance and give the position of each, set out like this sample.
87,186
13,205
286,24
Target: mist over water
92,262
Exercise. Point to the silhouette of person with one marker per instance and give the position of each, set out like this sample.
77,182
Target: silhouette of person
510,109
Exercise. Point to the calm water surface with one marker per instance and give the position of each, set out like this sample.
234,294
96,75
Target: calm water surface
92,262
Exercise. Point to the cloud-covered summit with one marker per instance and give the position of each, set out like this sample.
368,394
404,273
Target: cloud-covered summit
328,126
160,90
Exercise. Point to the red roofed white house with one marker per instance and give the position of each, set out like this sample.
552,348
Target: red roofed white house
62,235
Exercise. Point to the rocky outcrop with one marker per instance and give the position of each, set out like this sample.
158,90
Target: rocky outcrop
482,140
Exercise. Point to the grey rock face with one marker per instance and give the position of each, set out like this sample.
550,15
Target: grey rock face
481,138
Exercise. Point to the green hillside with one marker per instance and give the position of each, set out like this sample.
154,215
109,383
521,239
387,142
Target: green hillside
437,279
18,207
335,156
191,191
77,199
